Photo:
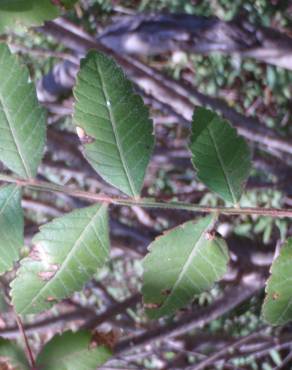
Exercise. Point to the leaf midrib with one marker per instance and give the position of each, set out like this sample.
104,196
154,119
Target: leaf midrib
185,266
229,185
15,139
2,209
116,136
63,265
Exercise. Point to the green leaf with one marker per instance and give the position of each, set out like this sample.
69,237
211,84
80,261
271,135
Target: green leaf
26,13
182,263
22,120
66,253
11,226
221,157
113,123
12,356
277,307
72,351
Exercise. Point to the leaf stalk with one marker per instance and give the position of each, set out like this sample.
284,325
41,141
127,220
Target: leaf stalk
146,202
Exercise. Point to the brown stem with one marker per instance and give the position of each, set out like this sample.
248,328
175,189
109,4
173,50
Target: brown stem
230,299
115,309
146,202
27,345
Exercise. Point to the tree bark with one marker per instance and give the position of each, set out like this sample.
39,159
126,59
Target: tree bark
153,34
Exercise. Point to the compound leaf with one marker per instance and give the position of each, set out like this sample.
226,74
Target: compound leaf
22,120
72,351
11,226
220,156
113,123
66,253
182,263
11,356
277,308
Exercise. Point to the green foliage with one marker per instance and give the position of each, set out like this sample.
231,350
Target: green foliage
11,226
117,134
72,351
221,158
22,120
29,13
182,263
12,356
26,13
66,253
277,308
113,123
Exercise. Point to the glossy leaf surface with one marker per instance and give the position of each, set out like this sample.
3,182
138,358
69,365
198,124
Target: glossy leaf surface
22,120
277,308
72,351
182,263
113,123
66,254
220,156
11,226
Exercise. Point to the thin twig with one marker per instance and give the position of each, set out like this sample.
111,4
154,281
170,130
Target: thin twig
45,53
182,98
27,345
51,323
285,362
146,202
231,298
114,310
229,348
